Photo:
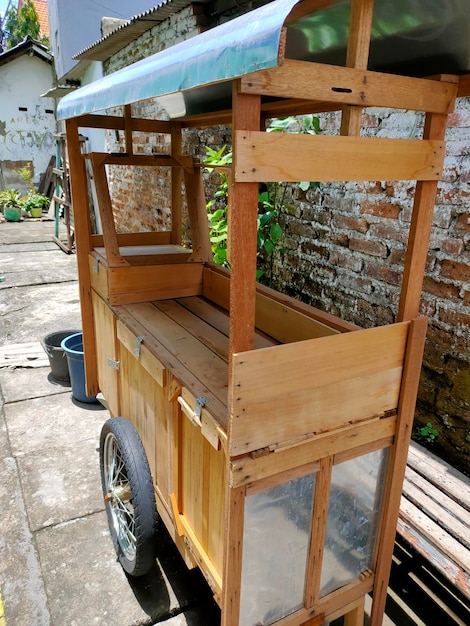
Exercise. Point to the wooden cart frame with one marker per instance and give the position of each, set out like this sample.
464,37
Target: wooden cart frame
239,393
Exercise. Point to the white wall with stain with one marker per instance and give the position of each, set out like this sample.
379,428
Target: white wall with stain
27,121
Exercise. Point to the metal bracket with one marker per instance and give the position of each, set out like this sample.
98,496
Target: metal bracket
200,402
114,364
97,262
138,343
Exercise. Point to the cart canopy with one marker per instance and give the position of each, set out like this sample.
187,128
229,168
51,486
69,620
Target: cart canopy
409,37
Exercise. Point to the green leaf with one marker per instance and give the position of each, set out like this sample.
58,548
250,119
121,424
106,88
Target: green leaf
269,246
304,185
275,232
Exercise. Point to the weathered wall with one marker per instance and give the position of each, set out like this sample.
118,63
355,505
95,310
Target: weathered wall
27,121
344,244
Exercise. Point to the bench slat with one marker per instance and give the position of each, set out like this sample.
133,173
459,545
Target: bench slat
436,535
449,480
438,506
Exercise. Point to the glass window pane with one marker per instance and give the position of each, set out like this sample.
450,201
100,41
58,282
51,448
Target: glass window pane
275,547
355,500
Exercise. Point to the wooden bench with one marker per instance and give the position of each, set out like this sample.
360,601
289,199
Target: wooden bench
435,515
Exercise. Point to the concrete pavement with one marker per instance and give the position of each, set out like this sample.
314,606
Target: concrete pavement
57,562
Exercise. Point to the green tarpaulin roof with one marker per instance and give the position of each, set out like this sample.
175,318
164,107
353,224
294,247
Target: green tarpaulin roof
409,37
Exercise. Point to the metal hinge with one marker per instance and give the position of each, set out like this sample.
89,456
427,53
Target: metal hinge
114,364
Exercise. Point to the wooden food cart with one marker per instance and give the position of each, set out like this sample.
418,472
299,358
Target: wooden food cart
276,434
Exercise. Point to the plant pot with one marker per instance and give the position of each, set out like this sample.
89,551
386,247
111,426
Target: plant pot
36,212
12,214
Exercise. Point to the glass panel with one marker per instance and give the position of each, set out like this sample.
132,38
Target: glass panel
275,547
355,500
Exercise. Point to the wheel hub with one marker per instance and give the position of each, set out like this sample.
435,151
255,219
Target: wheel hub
119,493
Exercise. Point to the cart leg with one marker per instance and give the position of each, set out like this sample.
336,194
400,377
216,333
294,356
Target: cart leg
355,617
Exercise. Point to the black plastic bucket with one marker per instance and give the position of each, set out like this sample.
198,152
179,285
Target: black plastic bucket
73,348
56,354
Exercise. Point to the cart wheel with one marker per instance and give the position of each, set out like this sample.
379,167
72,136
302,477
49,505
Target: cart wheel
129,495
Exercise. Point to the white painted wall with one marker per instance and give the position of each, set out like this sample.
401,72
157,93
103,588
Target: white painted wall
27,134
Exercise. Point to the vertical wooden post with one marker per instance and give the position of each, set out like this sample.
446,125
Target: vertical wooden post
197,212
242,232
420,230
79,194
397,465
176,184
128,129
233,552
357,56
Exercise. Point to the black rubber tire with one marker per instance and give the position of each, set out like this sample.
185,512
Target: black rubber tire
137,511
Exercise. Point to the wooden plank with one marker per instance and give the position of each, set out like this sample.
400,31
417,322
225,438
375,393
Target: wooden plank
98,276
209,336
287,157
438,506
449,480
155,278
114,122
79,192
355,617
30,354
330,83
248,469
136,239
397,465
420,230
128,129
464,86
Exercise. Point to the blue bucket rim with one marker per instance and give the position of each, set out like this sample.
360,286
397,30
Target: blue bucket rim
66,348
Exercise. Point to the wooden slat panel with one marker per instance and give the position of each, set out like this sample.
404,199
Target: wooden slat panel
314,386
106,348
450,481
114,122
218,319
437,506
286,157
146,358
155,279
245,470
204,364
277,315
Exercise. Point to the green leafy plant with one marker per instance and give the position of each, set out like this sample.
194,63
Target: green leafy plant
10,199
426,433
35,200
26,174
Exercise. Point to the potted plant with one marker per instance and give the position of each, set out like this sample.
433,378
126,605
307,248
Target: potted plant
11,202
35,203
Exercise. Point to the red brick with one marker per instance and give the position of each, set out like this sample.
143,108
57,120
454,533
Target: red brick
466,298
389,232
453,318
463,222
380,209
440,289
348,261
455,270
351,223
383,273
459,119
373,248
